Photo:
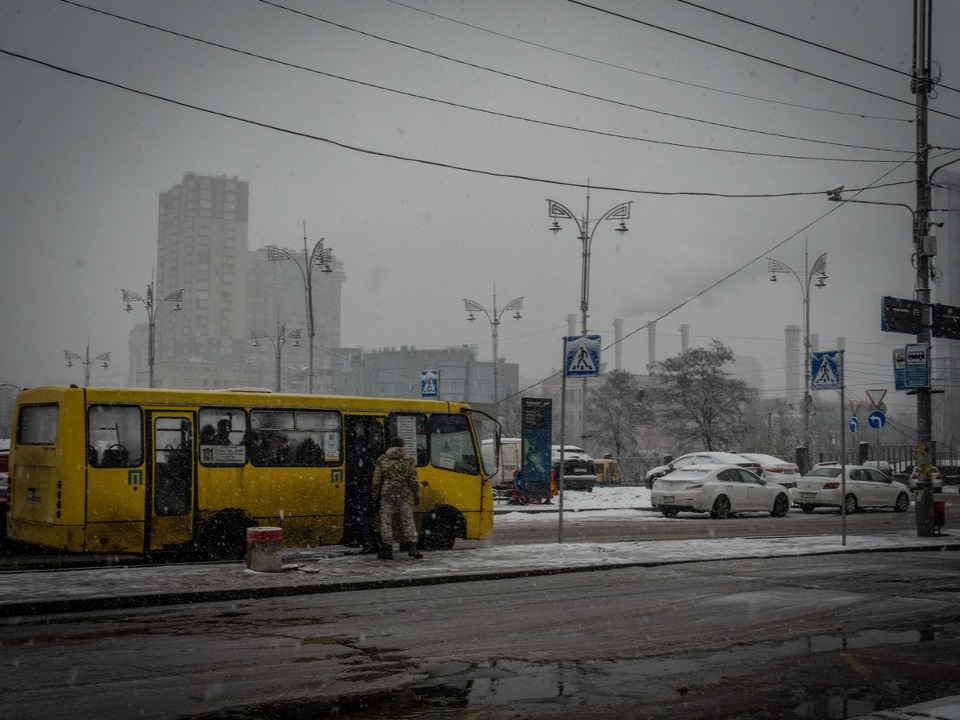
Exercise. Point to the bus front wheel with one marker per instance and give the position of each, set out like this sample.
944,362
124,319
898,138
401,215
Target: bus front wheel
224,536
440,529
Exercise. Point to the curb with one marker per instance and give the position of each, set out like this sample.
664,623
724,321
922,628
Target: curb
172,597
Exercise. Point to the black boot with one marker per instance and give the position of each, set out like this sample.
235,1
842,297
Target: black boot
412,551
386,553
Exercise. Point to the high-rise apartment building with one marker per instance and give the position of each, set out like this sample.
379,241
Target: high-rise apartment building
202,248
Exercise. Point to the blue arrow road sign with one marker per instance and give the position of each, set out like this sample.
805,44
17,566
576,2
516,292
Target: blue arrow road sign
877,419
854,425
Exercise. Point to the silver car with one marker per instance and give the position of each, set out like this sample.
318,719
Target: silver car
865,487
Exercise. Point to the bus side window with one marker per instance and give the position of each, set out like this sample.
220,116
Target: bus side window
114,436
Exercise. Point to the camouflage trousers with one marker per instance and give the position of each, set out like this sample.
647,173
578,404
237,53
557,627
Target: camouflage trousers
392,509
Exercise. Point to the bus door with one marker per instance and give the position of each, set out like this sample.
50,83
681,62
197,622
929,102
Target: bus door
170,482
364,444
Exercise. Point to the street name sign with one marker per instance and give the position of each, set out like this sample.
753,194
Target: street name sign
901,315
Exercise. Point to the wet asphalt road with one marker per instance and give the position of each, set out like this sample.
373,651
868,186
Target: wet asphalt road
811,637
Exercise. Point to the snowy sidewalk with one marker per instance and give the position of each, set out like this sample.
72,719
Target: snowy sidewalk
336,569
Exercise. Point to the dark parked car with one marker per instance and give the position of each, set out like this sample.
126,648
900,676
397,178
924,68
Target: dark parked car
579,472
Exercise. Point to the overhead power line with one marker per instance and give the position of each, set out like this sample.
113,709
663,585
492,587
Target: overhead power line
394,156
791,68
462,106
649,74
802,40
578,93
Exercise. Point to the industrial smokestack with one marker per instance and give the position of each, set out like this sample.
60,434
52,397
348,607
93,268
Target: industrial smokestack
618,348
652,343
684,337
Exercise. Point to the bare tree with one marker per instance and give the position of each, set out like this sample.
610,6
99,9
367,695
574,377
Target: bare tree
697,401
615,413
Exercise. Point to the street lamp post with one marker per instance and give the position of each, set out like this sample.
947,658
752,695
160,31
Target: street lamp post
152,309
557,210
86,360
277,341
819,271
321,258
471,307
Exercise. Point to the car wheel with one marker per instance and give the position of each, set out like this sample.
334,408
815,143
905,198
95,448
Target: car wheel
781,506
850,502
721,508
670,512
903,502
807,508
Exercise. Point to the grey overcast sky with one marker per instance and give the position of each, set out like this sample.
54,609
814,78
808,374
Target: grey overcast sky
431,201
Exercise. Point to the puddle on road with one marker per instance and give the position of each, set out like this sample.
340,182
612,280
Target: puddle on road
456,689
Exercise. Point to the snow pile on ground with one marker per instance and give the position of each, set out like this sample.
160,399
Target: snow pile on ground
610,502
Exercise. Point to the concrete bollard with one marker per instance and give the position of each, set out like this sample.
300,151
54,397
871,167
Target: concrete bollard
263,549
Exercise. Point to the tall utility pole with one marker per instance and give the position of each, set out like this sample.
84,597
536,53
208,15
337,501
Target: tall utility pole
921,85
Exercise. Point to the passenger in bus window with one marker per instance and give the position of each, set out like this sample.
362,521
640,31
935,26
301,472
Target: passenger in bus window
397,489
222,436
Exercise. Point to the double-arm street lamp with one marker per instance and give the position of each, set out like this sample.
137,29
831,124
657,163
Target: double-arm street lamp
86,360
278,342
493,317
818,271
152,307
320,257
585,234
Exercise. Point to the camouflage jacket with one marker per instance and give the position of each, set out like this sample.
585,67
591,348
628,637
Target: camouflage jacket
395,476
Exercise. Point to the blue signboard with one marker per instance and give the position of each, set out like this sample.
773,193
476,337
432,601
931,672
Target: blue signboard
900,369
536,429
877,419
825,370
582,356
854,425
429,383
917,365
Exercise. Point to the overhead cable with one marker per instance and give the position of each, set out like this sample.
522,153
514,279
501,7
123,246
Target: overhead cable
394,156
785,66
462,106
578,93
802,40
665,78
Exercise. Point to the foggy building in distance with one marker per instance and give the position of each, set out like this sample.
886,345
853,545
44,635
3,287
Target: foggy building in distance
277,291
202,248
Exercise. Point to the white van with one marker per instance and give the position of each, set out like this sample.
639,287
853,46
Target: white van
509,461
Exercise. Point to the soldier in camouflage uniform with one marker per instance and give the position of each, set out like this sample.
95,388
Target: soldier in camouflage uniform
396,487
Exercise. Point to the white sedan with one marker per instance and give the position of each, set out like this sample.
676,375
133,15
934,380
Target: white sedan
721,490
865,487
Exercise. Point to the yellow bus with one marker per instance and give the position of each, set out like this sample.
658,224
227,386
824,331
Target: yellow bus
111,470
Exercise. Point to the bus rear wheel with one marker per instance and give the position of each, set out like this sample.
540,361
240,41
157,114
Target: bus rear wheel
440,529
224,536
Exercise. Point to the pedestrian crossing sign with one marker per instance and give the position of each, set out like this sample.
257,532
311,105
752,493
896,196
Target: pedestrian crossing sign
429,383
582,356
825,373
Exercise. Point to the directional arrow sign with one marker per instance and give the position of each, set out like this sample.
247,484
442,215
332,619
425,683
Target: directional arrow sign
854,425
877,419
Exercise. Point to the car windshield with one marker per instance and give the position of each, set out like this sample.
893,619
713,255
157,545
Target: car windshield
830,472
